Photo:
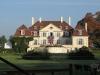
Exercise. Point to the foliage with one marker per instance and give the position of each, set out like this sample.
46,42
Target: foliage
82,53
97,43
37,53
95,49
96,38
98,16
20,44
7,51
3,40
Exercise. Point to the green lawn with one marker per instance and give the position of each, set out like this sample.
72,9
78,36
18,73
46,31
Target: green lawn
40,64
97,53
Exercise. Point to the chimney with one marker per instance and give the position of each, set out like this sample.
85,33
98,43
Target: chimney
40,19
33,20
61,19
86,27
69,20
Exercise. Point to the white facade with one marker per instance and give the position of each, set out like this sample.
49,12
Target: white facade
42,39
8,45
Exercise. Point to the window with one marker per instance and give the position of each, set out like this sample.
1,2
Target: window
44,34
58,41
35,33
35,27
51,34
66,33
32,32
22,32
80,32
58,34
66,27
80,42
44,42
35,42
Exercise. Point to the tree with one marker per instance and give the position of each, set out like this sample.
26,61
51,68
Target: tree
3,40
96,38
20,44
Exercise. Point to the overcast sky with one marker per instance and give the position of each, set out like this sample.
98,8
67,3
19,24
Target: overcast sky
14,13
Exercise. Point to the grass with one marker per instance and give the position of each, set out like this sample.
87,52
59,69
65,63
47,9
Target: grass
40,64
97,53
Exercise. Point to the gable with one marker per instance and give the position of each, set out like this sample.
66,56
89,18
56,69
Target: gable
51,27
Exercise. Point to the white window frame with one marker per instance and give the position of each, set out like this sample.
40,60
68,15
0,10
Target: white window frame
44,34
35,33
80,32
32,32
80,41
58,34
44,42
35,42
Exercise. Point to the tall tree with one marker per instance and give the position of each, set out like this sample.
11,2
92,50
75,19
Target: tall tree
3,40
20,44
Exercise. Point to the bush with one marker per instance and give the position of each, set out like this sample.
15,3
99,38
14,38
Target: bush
38,53
97,49
58,56
83,53
7,51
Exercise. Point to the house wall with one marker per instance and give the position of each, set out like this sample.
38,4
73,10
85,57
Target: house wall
75,41
57,50
65,47
49,30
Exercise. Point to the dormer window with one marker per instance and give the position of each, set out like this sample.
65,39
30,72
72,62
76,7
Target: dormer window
35,27
22,32
66,27
32,32
80,32
66,33
35,33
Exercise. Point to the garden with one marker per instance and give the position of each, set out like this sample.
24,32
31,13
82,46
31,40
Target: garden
43,63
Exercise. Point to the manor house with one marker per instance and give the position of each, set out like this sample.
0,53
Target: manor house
54,33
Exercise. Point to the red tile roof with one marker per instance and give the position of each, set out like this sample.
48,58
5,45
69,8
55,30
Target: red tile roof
78,33
23,27
92,24
45,23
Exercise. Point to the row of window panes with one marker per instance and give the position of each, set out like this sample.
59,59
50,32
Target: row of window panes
45,34
80,42
45,42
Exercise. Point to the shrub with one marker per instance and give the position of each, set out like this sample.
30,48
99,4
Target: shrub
38,53
97,49
7,51
83,53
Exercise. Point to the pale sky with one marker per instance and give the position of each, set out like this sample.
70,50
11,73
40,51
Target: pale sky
14,13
